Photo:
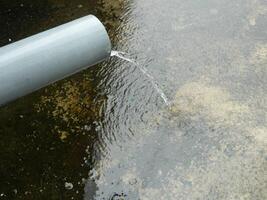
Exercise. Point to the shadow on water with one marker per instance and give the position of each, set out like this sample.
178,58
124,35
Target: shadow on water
47,139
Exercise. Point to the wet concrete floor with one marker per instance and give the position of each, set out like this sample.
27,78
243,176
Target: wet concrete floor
106,134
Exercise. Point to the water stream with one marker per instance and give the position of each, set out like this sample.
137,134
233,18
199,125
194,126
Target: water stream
122,56
106,133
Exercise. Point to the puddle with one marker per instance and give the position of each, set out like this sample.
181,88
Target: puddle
105,134
122,56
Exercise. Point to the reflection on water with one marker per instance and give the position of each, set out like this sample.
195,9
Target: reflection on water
104,134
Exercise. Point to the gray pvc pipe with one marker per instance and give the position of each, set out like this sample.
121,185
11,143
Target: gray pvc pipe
37,61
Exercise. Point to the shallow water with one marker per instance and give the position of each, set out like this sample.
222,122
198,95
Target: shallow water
106,130
122,56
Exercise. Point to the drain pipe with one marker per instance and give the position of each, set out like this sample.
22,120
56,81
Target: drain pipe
42,59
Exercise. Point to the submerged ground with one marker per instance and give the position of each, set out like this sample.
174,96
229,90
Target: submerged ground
106,134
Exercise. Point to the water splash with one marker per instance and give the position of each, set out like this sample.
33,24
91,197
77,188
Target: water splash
121,55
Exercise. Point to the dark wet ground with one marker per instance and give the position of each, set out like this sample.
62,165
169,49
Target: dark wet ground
47,138
106,131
